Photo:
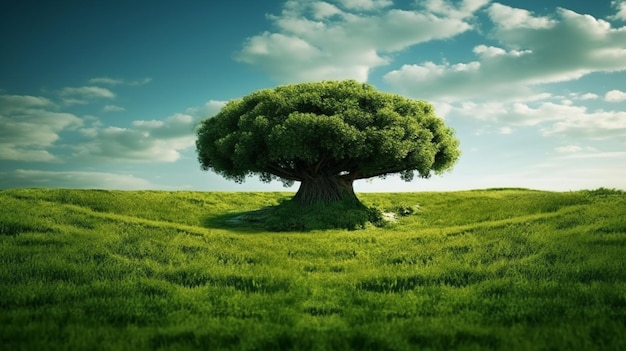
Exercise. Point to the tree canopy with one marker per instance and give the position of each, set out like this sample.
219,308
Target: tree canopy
325,135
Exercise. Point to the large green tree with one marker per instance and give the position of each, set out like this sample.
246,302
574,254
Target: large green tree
325,135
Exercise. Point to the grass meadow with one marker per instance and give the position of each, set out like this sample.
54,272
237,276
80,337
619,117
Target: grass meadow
500,269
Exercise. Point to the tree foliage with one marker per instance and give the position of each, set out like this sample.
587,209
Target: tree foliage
325,135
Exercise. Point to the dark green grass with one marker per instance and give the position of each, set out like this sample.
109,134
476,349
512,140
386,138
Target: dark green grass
509,269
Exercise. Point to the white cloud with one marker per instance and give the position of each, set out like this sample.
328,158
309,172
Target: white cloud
117,81
30,132
28,129
12,103
536,52
106,81
615,96
508,17
175,126
321,10
144,141
83,95
113,108
620,6
364,4
209,109
568,149
589,96
141,81
88,92
448,9
27,178
493,51
563,119
316,41
489,51
597,125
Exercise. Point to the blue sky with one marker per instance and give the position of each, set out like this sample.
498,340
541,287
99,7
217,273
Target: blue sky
107,94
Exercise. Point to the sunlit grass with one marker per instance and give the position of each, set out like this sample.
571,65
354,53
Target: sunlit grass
491,269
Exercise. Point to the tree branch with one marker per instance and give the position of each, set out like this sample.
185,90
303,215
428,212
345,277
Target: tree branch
378,173
283,173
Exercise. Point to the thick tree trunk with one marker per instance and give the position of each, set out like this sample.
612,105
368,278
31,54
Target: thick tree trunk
325,190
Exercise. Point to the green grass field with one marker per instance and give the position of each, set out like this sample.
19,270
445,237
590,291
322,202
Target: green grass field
502,269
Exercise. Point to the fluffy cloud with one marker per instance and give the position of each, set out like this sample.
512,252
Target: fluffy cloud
364,4
589,96
113,108
145,141
598,125
86,94
507,17
117,81
620,5
29,129
106,81
83,95
209,109
564,118
615,96
11,103
318,40
176,126
536,50
463,10
26,178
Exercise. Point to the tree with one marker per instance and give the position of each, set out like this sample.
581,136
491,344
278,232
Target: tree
325,135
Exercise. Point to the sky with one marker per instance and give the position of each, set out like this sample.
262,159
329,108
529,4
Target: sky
108,94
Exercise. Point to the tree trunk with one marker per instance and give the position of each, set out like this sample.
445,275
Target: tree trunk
325,190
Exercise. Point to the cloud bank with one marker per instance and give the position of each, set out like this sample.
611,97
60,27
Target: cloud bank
30,128
535,51
317,40
28,178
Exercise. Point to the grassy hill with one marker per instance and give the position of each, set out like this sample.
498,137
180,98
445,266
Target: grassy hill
507,269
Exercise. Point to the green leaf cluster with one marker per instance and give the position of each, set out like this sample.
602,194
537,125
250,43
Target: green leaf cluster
323,129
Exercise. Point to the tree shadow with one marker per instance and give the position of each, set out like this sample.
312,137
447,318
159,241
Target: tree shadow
240,221
291,217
